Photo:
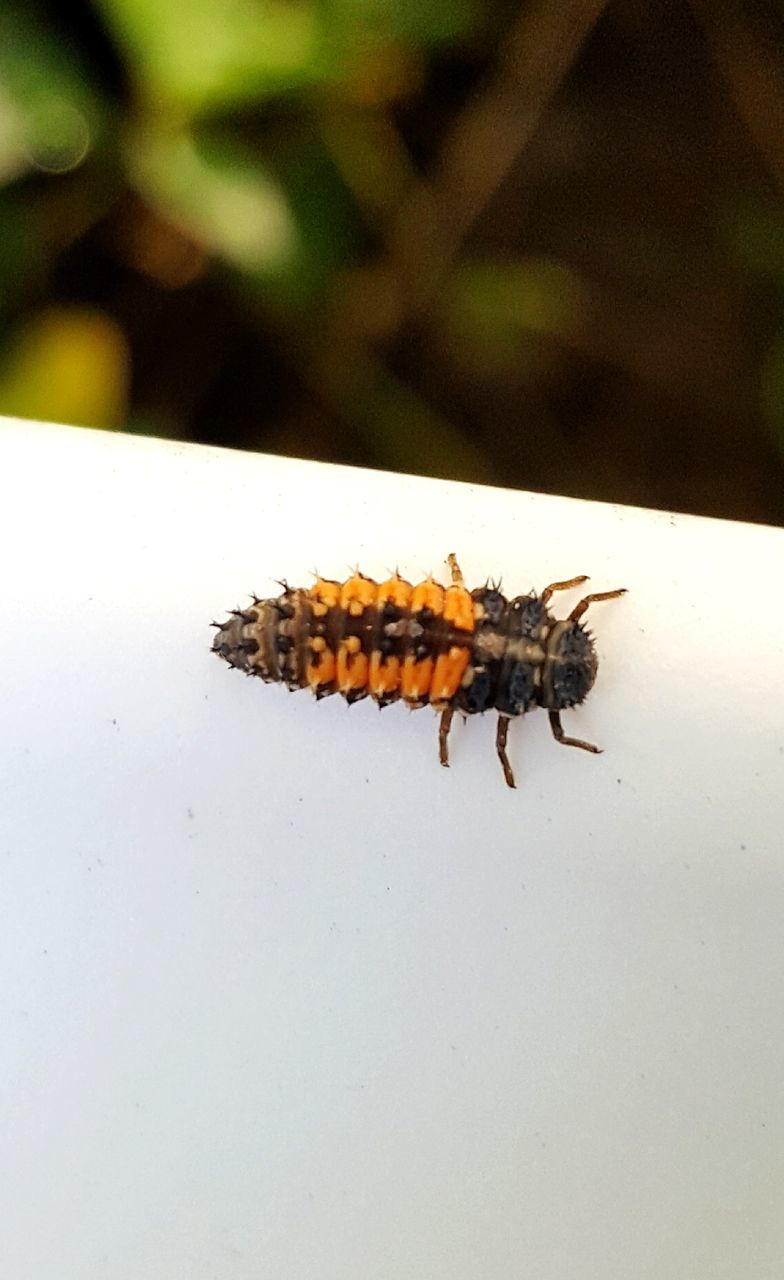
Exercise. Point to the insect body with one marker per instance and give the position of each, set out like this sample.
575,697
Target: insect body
454,649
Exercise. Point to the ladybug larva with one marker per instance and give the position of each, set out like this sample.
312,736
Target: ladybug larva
456,650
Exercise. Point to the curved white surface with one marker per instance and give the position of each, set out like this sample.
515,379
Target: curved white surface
283,998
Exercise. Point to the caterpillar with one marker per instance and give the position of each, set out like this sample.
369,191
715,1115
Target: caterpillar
447,647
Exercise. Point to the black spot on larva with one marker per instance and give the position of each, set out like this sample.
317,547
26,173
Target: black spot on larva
517,692
529,615
478,695
493,604
570,684
284,644
574,668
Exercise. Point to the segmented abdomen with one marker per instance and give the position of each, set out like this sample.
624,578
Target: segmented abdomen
389,640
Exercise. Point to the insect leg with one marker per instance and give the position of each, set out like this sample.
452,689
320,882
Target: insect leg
560,736
443,735
579,609
563,586
457,576
500,746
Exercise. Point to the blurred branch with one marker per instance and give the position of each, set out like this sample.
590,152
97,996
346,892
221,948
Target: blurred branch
751,66
425,237
484,143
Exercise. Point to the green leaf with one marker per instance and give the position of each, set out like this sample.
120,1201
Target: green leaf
221,196
203,54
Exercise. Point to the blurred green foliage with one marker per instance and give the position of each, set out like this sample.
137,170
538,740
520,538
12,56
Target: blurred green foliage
475,240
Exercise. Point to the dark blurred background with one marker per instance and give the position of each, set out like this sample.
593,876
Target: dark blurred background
536,244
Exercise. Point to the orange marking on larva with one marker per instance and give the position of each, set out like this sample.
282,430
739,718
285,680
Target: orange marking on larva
416,678
351,644
395,591
448,674
323,672
325,595
428,595
459,608
352,670
356,594
384,674
318,644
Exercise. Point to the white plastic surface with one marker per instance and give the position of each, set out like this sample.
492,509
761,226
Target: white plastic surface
281,997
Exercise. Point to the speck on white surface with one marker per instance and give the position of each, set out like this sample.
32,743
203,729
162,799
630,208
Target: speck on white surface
283,998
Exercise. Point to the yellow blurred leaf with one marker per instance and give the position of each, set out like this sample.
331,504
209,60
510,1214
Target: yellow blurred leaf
67,365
